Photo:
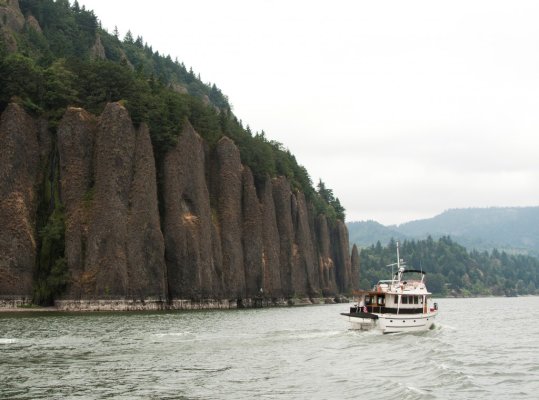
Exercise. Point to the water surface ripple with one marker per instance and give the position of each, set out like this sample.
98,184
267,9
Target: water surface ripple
481,349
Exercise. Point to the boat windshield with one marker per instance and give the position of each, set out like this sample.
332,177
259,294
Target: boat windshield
411,275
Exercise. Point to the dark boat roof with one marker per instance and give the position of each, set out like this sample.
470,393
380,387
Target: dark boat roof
414,270
411,270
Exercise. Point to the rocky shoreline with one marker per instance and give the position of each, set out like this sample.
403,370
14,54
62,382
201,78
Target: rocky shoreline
21,305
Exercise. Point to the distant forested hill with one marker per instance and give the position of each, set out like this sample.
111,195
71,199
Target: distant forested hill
511,229
452,270
365,233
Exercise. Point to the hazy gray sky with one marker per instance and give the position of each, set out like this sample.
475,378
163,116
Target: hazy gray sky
403,108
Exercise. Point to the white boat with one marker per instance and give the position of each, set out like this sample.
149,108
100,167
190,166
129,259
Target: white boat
401,304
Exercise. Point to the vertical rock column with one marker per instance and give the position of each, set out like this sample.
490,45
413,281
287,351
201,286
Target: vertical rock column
228,192
328,281
125,249
106,261
272,249
253,244
19,175
341,257
11,22
187,222
305,264
355,268
145,244
282,198
76,137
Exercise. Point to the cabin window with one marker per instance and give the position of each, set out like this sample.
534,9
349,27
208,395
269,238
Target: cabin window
416,300
421,300
404,299
367,300
381,301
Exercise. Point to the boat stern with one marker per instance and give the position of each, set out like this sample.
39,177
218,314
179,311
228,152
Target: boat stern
360,321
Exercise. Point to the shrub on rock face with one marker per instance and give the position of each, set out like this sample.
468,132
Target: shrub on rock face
52,271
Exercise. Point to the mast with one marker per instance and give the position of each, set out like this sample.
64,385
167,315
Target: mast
398,257
399,272
399,268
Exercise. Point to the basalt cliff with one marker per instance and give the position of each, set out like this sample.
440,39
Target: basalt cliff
193,232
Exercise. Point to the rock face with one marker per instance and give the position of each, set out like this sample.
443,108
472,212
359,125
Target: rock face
271,242
228,192
341,257
76,138
11,16
216,240
355,267
252,238
187,222
32,23
97,52
328,277
114,245
145,243
11,21
19,177
305,269
282,198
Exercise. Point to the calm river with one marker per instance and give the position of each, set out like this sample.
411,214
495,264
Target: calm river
481,349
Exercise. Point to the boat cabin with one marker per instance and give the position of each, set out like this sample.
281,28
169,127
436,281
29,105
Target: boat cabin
395,303
396,296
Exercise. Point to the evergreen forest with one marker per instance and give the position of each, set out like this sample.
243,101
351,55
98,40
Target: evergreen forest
451,270
71,60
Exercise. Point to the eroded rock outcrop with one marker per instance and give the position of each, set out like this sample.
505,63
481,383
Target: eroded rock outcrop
97,51
305,261
76,137
145,244
282,198
252,238
328,280
11,22
193,272
354,260
341,257
11,17
218,240
32,23
228,192
272,249
19,177
124,248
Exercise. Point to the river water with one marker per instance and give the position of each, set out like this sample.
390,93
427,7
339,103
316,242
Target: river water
480,349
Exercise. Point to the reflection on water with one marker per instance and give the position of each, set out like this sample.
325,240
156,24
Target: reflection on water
481,348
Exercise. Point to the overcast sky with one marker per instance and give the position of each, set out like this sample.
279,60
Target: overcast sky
403,108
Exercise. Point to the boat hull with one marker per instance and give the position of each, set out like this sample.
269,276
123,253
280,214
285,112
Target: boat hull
393,323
